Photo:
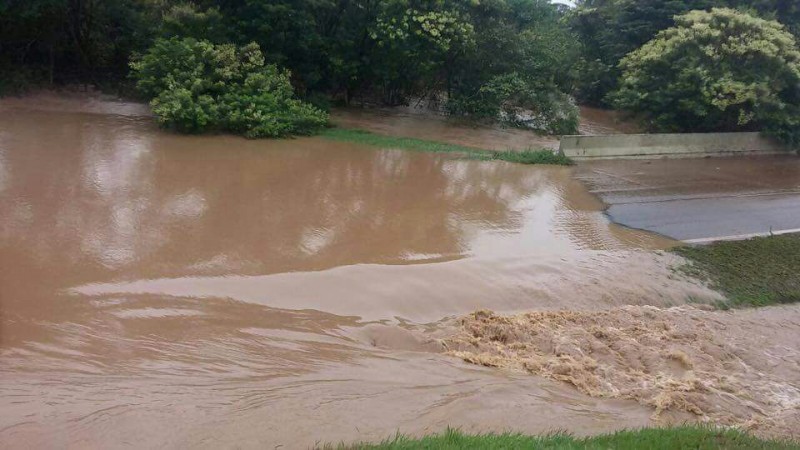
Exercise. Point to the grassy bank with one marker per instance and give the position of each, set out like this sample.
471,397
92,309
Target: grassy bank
699,438
755,272
530,156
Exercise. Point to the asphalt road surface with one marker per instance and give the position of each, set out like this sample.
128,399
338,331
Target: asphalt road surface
700,200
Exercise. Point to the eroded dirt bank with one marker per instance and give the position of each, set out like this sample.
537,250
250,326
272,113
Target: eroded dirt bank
737,368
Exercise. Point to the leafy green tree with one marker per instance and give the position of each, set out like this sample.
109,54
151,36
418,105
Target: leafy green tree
296,34
521,102
187,20
786,12
67,40
198,86
520,67
384,51
721,70
415,46
610,29
389,51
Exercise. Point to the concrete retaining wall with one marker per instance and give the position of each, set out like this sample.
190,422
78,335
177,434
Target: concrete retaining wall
669,145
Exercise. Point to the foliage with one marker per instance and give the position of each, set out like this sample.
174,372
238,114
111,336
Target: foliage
756,272
520,70
699,438
386,51
186,20
401,143
521,102
786,12
530,156
716,71
610,29
519,61
61,40
197,86
393,51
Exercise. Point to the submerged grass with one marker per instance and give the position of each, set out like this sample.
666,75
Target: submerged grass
541,156
756,272
530,156
694,437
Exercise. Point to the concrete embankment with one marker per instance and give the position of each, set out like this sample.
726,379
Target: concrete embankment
699,200
669,145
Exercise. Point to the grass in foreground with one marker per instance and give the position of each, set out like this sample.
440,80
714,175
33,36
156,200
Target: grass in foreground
755,272
530,156
699,438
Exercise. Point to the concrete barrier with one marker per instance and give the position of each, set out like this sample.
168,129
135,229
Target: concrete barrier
689,145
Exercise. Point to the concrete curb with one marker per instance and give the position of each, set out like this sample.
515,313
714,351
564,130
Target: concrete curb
686,145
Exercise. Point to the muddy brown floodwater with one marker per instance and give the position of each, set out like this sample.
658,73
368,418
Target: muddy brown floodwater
164,291
688,363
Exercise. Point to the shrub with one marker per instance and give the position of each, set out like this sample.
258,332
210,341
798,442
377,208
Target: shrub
519,102
721,70
198,86
534,156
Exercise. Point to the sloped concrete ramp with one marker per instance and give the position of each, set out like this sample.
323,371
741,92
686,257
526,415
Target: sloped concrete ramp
685,145
700,200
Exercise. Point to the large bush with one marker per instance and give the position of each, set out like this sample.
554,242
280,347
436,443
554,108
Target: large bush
197,86
520,102
716,71
610,29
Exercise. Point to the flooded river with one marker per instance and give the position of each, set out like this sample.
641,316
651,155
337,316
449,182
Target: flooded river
164,291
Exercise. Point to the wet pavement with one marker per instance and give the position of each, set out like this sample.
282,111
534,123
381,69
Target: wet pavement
700,200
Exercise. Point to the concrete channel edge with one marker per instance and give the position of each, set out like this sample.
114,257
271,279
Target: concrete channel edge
683,145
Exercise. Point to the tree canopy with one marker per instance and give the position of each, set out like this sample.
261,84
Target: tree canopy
523,62
720,70
610,29
199,86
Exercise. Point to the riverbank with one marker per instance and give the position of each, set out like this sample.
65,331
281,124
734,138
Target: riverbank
699,438
755,272
399,122
526,156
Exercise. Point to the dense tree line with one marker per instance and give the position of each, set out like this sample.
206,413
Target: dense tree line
611,29
477,55
71,40
525,62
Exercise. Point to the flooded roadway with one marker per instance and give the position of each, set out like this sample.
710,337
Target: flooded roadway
164,291
700,200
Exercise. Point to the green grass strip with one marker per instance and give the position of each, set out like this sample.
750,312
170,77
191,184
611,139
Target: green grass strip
530,156
686,437
756,272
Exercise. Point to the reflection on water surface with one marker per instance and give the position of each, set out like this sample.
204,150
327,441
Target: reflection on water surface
170,291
